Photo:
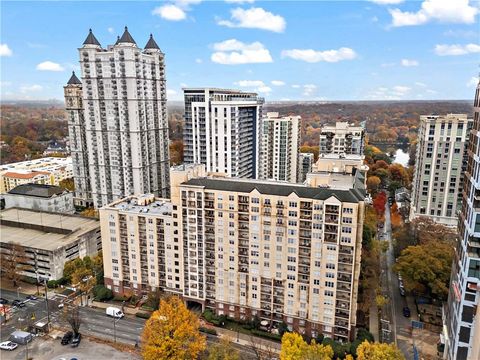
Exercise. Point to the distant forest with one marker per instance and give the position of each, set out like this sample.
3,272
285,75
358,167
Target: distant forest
26,129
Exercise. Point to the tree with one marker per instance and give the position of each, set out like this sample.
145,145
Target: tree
295,348
379,205
378,351
223,350
153,299
72,316
425,230
13,262
262,349
172,332
176,152
67,184
310,149
84,279
373,183
426,268
90,212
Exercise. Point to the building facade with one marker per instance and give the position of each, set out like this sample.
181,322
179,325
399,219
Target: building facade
222,130
243,248
48,171
305,166
39,197
125,130
461,316
341,163
342,138
48,240
441,161
279,147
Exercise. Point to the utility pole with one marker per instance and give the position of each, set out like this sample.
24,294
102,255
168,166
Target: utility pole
115,328
46,303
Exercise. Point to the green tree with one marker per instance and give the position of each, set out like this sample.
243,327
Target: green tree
426,268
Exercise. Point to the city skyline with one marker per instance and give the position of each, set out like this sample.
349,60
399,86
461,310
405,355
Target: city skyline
315,51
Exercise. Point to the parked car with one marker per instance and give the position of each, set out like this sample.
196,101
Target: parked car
8,345
76,340
32,297
406,311
18,303
402,291
67,338
3,301
61,305
114,312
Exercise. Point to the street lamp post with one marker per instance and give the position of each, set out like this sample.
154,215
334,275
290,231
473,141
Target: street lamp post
46,302
115,329
18,295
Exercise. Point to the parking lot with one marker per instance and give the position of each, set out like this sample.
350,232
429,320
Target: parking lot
46,348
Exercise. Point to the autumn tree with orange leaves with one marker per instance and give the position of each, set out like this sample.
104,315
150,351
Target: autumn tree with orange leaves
172,332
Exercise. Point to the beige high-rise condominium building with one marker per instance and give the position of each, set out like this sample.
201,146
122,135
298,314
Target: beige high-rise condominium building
118,120
305,165
279,145
222,130
342,138
244,248
441,161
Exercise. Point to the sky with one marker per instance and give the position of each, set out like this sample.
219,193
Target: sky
284,50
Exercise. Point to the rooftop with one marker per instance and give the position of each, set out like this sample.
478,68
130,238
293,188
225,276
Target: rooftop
38,190
143,204
341,186
46,163
43,230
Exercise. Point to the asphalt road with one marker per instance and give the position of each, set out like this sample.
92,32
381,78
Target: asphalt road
400,324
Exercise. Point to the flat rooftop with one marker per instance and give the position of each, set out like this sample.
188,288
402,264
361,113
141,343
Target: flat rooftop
341,157
58,230
137,204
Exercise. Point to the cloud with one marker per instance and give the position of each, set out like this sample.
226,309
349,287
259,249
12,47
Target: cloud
50,66
30,88
36,45
455,49
111,30
239,1
296,86
386,2
309,89
461,33
384,65
198,61
473,81
313,56
418,83
384,93
408,63
171,92
170,12
5,83
5,50
254,18
256,85
444,11
234,52
277,82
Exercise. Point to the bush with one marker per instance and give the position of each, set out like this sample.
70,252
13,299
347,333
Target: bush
102,293
214,319
143,315
121,298
266,335
51,284
208,330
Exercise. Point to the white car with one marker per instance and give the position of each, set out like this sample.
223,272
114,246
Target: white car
8,345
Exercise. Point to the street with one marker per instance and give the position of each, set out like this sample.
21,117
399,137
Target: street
400,325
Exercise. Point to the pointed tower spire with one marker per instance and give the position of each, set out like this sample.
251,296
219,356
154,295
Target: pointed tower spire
118,40
151,44
91,39
126,37
74,80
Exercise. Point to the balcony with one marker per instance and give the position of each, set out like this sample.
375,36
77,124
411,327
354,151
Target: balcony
331,238
243,269
243,208
333,219
345,278
305,243
343,287
342,314
332,209
345,259
345,268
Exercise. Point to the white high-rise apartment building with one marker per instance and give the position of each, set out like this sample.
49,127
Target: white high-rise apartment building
119,124
279,147
222,130
462,315
245,248
305,166
342,138
441,160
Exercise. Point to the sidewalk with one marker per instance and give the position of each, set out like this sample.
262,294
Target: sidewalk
373,318
248,341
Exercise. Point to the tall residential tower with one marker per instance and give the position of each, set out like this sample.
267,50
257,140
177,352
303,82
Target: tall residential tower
123,133
280,142
441,161
462,315
222,130
342,138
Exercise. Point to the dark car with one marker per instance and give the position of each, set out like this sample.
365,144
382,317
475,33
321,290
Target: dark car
31,297
76,340
67,337
18,303
3,301
406,311
402,291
